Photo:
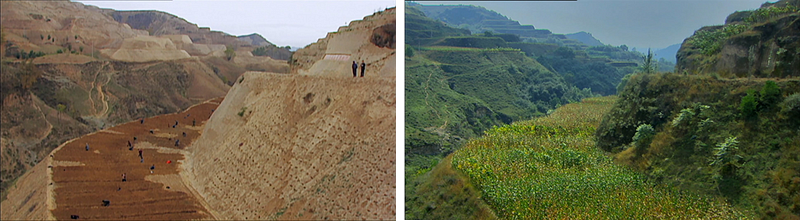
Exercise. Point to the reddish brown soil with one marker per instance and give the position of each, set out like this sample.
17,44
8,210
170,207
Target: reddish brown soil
81,189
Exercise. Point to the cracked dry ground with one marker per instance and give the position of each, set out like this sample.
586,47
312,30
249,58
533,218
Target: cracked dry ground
83,179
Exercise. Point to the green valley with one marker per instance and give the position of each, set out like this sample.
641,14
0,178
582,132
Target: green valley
506,121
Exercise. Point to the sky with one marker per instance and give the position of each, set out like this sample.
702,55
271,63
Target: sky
635,23
282,22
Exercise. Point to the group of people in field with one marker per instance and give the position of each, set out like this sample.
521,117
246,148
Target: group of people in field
141,157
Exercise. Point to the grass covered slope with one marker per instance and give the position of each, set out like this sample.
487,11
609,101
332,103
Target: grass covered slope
456,93
548,168
736,138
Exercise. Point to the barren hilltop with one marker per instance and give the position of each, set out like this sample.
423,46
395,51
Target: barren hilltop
313,144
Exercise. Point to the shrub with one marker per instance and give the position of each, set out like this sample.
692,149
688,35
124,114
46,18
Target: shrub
643,137
791,105
725,152
622,83
770,94
241,113
764,14
685,114
749,104
710,42
409,51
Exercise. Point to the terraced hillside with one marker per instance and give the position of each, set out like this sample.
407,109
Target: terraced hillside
75,181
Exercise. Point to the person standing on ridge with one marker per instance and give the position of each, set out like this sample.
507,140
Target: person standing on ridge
87,146
355,68
363,66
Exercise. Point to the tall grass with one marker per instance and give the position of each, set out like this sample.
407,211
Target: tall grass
548,168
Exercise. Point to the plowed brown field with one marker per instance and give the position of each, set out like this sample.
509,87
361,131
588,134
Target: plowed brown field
83,179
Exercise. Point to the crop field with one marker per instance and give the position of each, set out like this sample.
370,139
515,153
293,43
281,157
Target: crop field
549,168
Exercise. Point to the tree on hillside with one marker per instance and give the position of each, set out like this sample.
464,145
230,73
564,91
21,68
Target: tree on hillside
29,74
229,52
2,44
649,66
61,109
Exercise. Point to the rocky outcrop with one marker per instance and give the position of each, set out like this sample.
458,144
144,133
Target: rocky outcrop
765,48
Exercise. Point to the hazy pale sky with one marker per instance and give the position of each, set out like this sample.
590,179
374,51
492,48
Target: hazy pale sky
636,23
282,22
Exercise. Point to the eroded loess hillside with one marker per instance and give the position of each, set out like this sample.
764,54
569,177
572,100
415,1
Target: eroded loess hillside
300,147
316,144
370,40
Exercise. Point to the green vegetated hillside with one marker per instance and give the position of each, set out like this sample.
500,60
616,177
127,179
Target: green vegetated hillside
455,92
481,20
548,168
728,124
735,138
460,84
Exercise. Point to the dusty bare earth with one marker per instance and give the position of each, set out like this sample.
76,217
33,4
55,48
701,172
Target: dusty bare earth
334,54
75,181
304,147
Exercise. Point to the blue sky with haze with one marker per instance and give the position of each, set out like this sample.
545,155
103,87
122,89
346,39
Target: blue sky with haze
282,22
636,23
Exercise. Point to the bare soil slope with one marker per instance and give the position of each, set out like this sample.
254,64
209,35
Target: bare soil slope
74,181
300,147
361,40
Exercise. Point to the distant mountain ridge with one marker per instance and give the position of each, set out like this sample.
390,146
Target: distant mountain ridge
585,37
255,39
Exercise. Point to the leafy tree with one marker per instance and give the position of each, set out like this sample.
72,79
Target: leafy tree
565,52
770,94
643,137
749,104
81,48
59,51
48,37
229,52
624,47
622,83
61,108
41,37
30,73
487,33
649,66
409,51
